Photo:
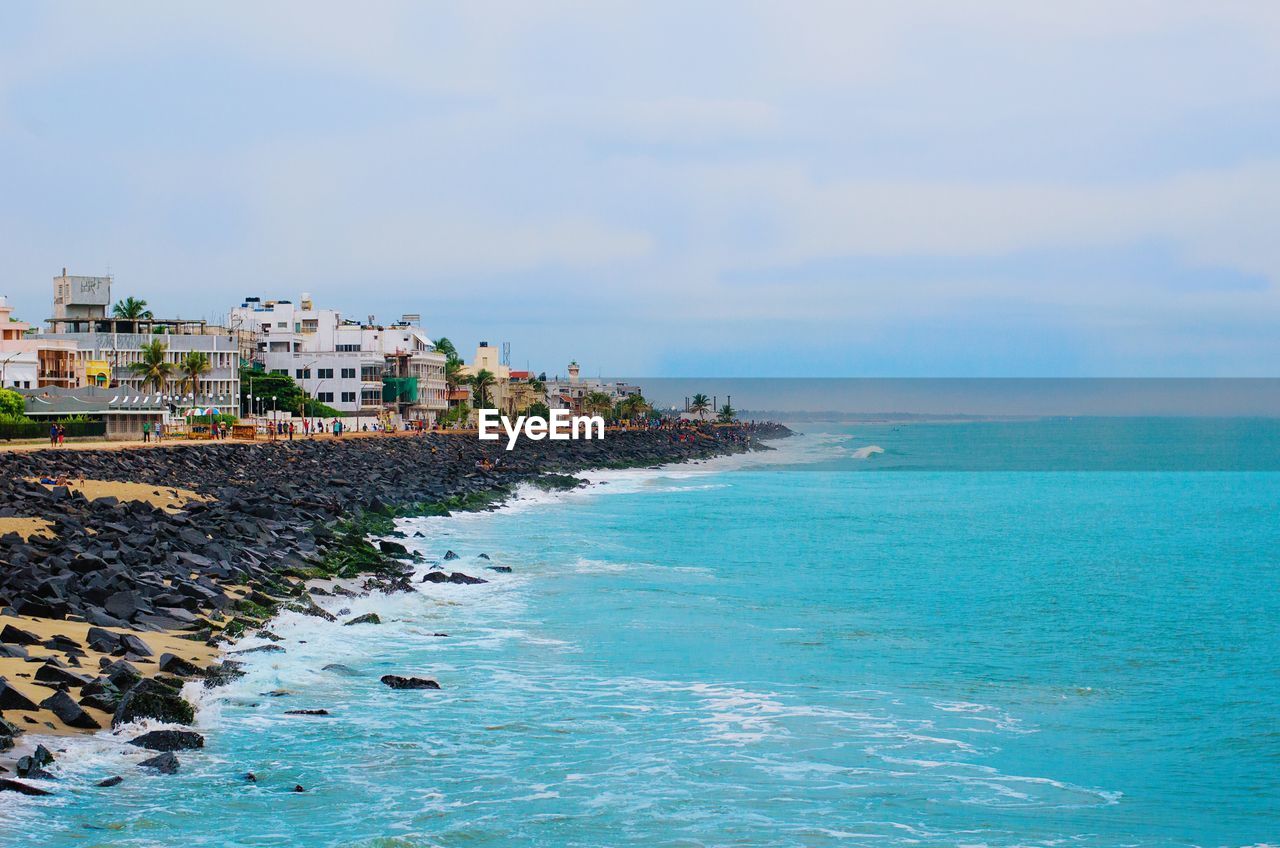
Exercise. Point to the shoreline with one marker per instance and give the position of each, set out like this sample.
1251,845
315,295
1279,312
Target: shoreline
326,538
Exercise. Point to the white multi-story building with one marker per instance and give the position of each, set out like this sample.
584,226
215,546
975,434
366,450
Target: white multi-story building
352,366
28,362
106,346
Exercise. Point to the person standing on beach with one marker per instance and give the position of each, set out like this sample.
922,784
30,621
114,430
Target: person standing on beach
291,431
146,432
62,435
53,435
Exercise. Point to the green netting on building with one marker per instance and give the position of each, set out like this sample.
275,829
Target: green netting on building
399,389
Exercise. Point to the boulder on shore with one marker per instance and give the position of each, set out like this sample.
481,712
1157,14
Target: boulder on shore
12,699
172,664
69,712
169,740
165,763
153,699
7,785
395,681
17,636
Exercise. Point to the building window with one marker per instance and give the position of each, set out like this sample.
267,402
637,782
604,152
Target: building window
302,373
324,373
371,373
371,397
324,397
283,372
348,373
347,348
282,324
348,397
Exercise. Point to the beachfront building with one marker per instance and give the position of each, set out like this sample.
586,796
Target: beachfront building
30,362
524,390
122,411
488,359
568,393
105,347
353,366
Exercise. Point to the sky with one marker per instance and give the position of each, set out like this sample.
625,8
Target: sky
672,189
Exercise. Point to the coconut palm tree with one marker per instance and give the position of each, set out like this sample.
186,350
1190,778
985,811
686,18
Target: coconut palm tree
700,406
597,403
727,414
446,347
131,309
453,374
481,382
634,406
191,367
154,367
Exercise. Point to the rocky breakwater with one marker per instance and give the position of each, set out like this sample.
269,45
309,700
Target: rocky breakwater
108,613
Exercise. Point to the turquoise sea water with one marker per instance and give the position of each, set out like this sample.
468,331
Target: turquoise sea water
825,645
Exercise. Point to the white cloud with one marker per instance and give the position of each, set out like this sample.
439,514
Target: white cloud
652,149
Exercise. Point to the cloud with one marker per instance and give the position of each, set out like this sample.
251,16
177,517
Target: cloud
753,183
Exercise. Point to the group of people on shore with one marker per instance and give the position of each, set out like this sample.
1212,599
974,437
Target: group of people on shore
149,430
308,428
57,435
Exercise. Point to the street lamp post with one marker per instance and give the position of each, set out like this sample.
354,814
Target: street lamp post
4,364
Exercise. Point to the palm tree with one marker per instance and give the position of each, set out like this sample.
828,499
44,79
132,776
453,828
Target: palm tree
453,374
701,405
131,309
634,406
192,366
154,367
481,382
727,414
446,347
597,403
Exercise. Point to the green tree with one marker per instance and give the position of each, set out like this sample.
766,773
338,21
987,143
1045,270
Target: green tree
191,367
154,368
633,407
12,404
459,413
727,414
443,345
597,403
131,309
279,391
453,377
481,382
701,405
538,409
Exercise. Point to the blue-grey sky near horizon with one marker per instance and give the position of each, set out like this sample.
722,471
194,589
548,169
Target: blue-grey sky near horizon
772,189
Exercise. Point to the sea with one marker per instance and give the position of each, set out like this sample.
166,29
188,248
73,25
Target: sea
1056,632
